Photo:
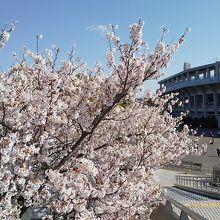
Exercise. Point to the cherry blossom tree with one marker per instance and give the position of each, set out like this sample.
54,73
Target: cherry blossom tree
79,142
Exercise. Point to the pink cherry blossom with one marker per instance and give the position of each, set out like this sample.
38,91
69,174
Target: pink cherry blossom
78,142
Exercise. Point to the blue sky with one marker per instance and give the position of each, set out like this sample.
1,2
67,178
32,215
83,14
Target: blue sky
66,22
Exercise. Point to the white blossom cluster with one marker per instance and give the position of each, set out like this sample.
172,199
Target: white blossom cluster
79,143
5,34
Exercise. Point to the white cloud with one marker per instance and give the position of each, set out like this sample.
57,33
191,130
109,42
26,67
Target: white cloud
97,29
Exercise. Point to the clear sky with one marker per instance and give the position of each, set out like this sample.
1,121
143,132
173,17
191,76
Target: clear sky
65,22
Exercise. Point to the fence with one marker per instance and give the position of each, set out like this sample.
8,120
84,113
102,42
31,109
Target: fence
204,183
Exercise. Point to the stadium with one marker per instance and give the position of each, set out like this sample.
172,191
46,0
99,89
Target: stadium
201,86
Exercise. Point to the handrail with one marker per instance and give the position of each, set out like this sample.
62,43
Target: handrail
193,82
202,183
185,212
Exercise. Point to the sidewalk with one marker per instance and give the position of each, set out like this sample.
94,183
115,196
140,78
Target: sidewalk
167,177
210,158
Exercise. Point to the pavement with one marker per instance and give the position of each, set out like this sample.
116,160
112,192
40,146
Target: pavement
167,177
210,158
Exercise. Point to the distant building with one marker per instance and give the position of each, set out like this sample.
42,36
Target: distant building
201,86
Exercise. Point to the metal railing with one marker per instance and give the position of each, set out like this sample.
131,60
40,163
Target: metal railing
192,82
181,212
204,183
